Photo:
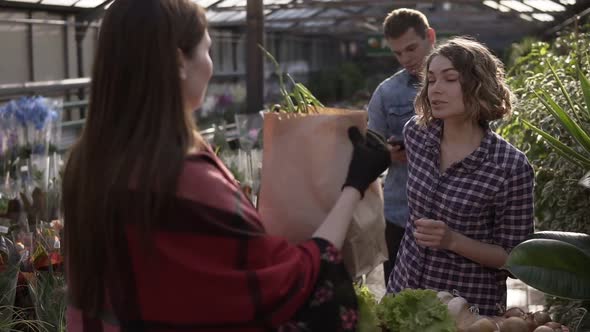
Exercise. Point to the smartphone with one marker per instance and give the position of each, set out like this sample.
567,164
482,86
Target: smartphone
398,142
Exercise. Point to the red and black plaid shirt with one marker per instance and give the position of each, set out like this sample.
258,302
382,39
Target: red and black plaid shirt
215,269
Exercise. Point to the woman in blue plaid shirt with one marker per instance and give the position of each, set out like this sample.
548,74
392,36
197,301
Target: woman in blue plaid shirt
470,193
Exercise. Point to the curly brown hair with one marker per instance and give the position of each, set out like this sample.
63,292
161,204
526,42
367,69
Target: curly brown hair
485,93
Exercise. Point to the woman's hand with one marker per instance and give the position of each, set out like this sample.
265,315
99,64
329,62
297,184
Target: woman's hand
434,234
370,158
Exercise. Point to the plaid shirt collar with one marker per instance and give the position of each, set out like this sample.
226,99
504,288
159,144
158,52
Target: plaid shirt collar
434,136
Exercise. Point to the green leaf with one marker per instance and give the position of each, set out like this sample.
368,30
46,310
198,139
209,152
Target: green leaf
563,150
312,99
367,319
585,89
572,127
555,267
564,92
301,103
8,283
288,102
584,324
47,291
580,240
303,97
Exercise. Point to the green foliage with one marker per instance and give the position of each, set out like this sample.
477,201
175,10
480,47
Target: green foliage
549,123
518,53
367,321
11,317
13,322
560,204
415,310
573,314
555,263
48,292
300,98
338,83
572,124
8,281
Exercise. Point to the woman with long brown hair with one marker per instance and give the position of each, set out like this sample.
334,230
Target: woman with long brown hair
158,235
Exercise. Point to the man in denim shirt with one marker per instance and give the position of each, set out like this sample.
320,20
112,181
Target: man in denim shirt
411,39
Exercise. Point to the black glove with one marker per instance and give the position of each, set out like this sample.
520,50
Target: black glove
370,158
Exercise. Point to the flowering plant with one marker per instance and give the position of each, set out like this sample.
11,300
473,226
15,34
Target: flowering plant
29,201
28,125
29,133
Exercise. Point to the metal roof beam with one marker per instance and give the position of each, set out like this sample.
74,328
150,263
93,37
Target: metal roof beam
323,4
37,6
214,5
92,14
580,10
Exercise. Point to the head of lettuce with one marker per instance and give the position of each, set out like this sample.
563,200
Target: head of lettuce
415,310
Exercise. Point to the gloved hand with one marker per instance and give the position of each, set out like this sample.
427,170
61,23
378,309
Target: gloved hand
370,158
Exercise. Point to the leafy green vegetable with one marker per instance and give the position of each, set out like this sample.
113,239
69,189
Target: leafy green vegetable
367,319
415,310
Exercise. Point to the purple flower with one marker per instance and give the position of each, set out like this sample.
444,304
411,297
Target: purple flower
27,121
224,100
34,111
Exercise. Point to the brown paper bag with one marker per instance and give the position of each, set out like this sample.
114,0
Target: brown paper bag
305,163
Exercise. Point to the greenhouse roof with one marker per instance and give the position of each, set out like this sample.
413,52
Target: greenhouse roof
499,19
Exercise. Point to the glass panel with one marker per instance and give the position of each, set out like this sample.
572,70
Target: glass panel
278,25
543,17
277,2
232,3
23,0
545,5
526,17
516,5
223,16
88,3
333,13
59,2
292,13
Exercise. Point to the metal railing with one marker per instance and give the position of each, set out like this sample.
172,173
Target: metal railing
8,91
61,88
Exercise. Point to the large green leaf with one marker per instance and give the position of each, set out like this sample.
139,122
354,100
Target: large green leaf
572,127
580,240
555,267
585,89
564,150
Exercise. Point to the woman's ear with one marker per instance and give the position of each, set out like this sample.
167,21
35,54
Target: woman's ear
181,64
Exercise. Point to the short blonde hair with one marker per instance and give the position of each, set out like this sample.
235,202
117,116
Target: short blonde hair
485,93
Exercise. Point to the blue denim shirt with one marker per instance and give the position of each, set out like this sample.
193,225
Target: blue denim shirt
391,106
